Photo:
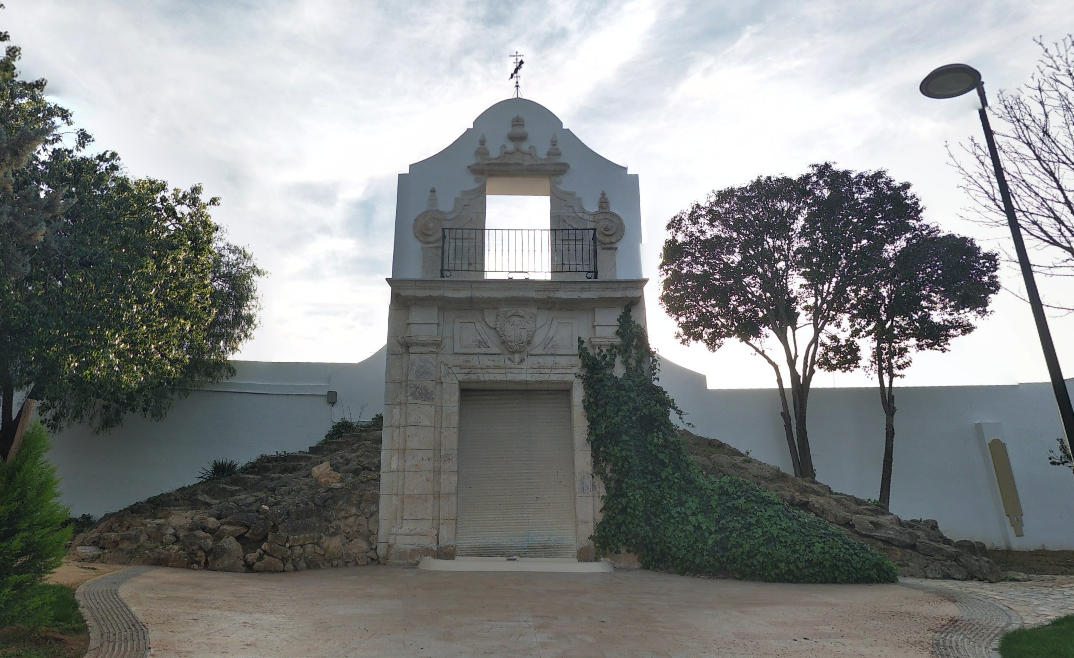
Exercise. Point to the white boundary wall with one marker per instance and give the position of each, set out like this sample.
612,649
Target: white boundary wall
266,407
942,469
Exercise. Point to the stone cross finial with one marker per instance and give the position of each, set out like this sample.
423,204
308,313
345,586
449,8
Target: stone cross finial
516,75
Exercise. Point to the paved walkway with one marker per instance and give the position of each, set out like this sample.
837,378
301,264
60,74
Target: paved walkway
1037,601
383,611
386,611
115,632
977,630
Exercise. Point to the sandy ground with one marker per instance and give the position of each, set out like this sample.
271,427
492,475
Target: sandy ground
73,573
391,611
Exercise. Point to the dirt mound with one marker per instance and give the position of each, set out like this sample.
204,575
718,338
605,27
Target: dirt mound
917,546
319,508
283,512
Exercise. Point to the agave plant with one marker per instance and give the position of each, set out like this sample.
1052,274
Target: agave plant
220,468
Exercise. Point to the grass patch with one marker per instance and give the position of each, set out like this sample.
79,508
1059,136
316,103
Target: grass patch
1054,640
65,636
1035,562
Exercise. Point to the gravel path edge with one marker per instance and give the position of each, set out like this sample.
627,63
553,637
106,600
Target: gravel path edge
977,630
115,631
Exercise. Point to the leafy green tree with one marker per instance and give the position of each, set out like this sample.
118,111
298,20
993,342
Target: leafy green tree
928,289
33,531
776,264
126,296
27,122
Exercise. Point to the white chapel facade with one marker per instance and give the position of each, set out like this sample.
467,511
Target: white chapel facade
485,451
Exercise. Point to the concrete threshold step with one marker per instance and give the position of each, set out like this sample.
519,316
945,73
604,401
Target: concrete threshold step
539,564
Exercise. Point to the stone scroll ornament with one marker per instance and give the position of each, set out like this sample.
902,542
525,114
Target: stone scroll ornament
429,224
610,227
516,327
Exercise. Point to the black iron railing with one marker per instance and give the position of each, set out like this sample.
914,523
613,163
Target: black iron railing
519,252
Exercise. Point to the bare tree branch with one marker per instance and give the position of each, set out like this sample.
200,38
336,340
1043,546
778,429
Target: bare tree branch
1035,140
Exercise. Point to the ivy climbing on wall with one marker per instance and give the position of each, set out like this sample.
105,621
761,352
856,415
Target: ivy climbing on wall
659,505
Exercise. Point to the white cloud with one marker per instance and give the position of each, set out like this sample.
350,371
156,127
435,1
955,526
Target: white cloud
300,114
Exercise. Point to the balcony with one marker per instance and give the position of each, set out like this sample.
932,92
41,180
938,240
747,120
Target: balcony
519,253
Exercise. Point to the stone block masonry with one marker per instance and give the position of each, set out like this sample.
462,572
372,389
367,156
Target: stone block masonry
448,336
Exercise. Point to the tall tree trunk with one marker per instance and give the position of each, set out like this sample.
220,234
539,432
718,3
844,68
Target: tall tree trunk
800,396
887,401
785,414
7,419
804,452
22,421
889,450
788,428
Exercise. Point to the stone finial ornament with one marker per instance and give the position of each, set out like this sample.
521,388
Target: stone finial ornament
482,151
517,161
518,132
553,150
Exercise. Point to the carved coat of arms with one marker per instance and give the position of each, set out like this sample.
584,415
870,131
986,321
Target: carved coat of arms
516,327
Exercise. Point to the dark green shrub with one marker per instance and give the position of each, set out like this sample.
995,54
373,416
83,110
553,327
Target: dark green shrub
33,533
345,426
342,427
80,523
660,505
220,468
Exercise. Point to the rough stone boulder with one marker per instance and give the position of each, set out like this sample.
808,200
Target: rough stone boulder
284,512
917,546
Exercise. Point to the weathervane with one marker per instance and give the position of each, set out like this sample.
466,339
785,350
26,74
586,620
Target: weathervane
516,75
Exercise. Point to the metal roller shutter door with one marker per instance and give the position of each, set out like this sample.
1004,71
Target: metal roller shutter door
516,474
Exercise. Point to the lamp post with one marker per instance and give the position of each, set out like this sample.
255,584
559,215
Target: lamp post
954,80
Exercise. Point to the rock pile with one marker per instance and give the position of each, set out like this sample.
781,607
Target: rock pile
316,509
284,512
917,546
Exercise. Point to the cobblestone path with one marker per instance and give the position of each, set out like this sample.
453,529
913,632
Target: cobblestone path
1037,601
115,631
991,609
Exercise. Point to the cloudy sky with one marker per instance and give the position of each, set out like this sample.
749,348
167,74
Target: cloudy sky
300,114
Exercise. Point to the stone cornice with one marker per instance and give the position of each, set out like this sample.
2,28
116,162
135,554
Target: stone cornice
421,344
542,293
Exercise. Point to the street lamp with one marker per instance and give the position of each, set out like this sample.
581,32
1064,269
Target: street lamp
954,80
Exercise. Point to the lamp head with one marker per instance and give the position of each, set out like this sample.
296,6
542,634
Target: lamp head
950,81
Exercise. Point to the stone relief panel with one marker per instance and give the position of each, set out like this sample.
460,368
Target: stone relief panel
516,332
557,337
471,336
